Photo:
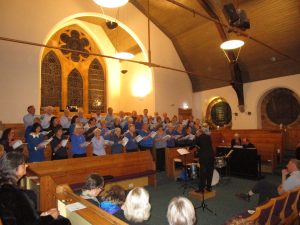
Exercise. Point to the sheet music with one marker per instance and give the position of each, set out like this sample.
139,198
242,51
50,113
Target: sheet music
183,151
45,132
166,137
75,206
138,138
17,144
177,136
124,141
85,144
108,142
153,134
46,142
64,142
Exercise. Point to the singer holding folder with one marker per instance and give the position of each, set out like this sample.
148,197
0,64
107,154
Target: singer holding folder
206,160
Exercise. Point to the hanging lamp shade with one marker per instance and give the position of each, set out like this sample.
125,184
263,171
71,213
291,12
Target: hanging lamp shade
232,44
124,55
111,3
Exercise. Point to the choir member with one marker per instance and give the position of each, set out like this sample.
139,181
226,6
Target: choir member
78,143
98,143
47,117
29,117
131,145
35,146
59,148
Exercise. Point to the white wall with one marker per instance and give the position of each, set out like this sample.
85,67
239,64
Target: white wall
34,20
253,92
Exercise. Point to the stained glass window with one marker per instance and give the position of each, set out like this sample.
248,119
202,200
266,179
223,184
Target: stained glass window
75,89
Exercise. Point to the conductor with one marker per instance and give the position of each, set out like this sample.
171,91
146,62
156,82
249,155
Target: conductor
206,160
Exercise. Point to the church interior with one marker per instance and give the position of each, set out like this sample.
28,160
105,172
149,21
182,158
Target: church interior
229,69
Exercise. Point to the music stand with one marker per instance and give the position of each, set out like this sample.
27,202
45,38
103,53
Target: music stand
184,152
204,206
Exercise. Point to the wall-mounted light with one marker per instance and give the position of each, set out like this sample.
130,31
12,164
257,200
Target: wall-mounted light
141,86
185,106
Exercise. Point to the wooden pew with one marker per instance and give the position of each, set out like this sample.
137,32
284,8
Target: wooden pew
71,171
89,215
171,154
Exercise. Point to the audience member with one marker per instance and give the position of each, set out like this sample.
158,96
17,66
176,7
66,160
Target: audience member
98,143
28,118
136,209
92,188
59,149
47,117
35,146
181,212
17,205
113,199
266,190
78,143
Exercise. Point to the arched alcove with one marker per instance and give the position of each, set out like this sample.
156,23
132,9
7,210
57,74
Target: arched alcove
51,80
280,107
75,89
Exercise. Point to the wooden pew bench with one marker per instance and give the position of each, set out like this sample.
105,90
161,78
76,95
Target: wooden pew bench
128,169
91,215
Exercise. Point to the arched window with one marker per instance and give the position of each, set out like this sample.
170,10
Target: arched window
96,87
219,113
75,89
51,81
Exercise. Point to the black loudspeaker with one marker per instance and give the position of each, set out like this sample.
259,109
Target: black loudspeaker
230,13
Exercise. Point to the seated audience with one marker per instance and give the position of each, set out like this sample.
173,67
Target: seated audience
236,141
47,117
65,120
136,209
181,212
9,142
116,138
131,145
266,190
58,150
160,143
98,143
113,199
35,146
17,205
92,188
28,118
247,144
78,143
147,141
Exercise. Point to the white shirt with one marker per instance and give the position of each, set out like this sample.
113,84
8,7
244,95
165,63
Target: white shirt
46,120
98,146
292,181
28,120
65,122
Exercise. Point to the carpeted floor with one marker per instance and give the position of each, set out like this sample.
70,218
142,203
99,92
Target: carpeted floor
225,204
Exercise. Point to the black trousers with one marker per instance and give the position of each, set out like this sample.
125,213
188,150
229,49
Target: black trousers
160,159
206,173
79,155
265,190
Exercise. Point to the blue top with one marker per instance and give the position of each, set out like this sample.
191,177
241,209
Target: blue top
109,121
138,125
27,132
35,155
72,128
109,207
159,142
171,141
116,146
147,143
131,144
76,141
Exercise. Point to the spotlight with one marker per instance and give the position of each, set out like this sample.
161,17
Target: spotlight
111,25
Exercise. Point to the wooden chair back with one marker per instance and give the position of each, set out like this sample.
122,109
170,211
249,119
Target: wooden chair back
266,211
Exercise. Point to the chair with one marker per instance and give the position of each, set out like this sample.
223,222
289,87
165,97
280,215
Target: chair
279,203
266,211
290,211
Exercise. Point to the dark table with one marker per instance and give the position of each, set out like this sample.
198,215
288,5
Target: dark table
243,162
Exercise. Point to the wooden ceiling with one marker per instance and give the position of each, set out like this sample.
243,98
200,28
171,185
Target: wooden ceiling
121,39
275,23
